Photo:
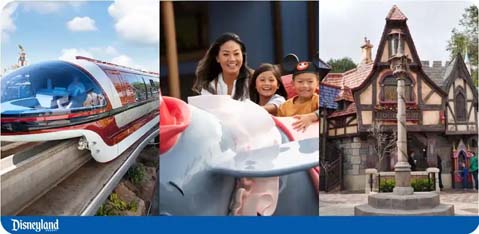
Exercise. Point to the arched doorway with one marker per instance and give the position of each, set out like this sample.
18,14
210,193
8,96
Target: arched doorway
460,155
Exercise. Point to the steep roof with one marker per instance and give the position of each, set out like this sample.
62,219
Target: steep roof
457,68
396,14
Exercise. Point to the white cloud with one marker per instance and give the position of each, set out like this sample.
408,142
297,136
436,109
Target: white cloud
108,54
71,53
153,65
156,66
6,24
81,24
44,7
122,60
137,21
101,53
109,50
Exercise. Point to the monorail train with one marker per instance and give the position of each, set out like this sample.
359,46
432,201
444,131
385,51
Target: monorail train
109,107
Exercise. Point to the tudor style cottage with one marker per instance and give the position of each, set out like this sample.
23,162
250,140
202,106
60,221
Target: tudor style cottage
441,103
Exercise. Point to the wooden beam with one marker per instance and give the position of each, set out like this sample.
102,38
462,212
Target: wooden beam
277,31
428,96
322,151
313,44
168,21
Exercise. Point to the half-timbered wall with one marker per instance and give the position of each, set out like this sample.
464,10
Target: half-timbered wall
343,125
424,110
461,108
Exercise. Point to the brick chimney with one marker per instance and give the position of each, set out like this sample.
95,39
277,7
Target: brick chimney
366,52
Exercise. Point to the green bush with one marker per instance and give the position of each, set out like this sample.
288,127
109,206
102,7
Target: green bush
114,205
422,185
136,174
419,185
387,186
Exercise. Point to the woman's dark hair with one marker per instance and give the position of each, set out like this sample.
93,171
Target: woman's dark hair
253,93
208,68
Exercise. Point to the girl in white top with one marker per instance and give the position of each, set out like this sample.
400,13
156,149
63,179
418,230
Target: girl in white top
266,88
223,70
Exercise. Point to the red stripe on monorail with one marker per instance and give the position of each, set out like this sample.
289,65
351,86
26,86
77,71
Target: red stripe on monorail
52,117
106,128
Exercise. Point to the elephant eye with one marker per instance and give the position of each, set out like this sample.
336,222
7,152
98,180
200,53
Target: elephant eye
177,187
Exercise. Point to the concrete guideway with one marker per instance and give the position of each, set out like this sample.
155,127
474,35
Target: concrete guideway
32,171
87,188
9,148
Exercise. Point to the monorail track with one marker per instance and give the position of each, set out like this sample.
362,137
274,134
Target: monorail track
55,178
10,148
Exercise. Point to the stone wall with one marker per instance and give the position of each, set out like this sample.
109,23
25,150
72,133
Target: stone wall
444,150
355,152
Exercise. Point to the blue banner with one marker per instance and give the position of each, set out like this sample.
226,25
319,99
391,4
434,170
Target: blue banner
265,225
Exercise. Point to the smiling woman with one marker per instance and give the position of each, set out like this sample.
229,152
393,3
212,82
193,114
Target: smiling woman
224,70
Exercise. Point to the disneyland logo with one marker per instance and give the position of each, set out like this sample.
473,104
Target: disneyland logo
38,226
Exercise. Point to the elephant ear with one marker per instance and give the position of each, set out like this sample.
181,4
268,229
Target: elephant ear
270,161
289,63
322,67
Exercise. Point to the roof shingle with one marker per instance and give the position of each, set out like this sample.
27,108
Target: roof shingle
351,109
327,96
352,78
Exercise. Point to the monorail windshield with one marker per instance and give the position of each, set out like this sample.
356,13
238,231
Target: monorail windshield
56,86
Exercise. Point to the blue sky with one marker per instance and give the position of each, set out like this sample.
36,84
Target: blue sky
123,32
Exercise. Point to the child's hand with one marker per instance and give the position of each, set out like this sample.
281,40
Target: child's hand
303,121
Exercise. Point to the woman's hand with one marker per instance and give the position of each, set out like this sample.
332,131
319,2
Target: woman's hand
303,121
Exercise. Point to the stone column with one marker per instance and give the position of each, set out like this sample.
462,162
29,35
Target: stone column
402,167
436,177
371,177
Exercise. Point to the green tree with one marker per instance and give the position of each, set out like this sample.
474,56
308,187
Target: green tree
465,36
341,65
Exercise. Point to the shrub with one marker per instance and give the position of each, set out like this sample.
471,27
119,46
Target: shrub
422,185
419,185
136,174
114,205
387,186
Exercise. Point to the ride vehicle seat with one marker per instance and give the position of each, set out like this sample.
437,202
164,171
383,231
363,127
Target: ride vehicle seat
77,93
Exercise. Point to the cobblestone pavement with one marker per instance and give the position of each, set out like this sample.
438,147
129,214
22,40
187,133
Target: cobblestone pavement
342,204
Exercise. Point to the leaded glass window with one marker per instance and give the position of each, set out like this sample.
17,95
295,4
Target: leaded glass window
390,89
460,107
